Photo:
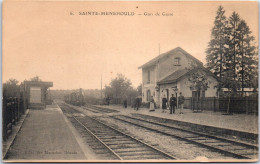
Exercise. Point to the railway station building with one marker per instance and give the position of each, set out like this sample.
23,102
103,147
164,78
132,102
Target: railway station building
169,74
35,93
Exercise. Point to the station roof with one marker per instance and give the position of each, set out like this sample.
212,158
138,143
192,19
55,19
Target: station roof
174,77
39,83
175,50
177,75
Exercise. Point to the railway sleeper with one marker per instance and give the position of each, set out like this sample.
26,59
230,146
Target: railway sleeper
145,157
202,130
101,129
116,140
101,132
209,140
100,147
111,135
136,153
216,144
117,143
107,157
243,152
200,139
95,143
223,145
87,136
108,137
131,149
90,140
191,136
197,141
124,146
102,151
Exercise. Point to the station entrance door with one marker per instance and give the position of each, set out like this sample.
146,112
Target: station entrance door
35,94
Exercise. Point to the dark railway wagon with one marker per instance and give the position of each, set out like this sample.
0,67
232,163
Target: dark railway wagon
75,98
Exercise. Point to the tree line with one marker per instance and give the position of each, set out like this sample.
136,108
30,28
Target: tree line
11,87
121,89
232,53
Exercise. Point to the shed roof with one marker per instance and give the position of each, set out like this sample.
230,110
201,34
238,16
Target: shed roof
39,83
177,75
175,50
174,77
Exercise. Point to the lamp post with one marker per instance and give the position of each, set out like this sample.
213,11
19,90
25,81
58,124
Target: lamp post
101,91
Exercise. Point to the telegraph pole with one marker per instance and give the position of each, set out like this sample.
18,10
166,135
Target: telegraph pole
101,88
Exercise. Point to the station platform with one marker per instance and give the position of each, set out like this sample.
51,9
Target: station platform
46,135
239,122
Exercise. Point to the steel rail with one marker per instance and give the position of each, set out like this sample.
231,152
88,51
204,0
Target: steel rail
91,110
188,140
155,150
211,129
199,133
149,146
70,109
98,139
106,110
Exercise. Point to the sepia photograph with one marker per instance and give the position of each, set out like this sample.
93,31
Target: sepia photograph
129,81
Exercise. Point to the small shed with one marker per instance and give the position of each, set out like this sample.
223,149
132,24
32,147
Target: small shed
35,93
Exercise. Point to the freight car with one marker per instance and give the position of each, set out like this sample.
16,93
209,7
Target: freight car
75,98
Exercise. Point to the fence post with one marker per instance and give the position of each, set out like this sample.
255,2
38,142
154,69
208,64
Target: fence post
15,112
21,105
9,116
4,113
214,102
18,106
192,103
12,111
246,105
16,109
24,102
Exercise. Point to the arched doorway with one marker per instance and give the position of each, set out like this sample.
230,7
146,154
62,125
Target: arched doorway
148,95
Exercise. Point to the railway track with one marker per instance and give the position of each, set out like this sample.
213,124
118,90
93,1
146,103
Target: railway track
227,147
101,151
111,143
247,137
97,109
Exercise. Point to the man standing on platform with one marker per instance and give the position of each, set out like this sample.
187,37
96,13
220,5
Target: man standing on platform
164,104
181,102
152,104
137,103
125,103
173,104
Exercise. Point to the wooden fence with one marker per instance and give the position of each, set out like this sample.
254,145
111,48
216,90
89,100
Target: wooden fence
235,105
13,108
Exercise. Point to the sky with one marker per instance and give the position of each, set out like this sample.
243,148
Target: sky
55,41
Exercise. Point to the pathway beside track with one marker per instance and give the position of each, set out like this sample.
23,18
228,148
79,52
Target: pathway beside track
45,136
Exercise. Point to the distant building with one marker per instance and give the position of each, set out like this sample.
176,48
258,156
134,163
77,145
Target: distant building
168,74
35,93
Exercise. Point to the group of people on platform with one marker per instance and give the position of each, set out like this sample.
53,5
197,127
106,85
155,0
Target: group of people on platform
171,104
137,103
